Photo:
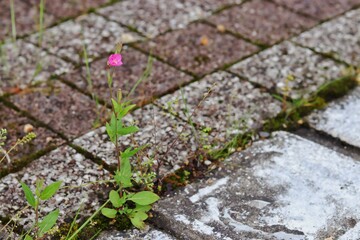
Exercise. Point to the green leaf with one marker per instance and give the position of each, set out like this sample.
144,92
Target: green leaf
143,208
137,222
127,130
115,199
129,152
28,237
125,110
50,190
48,222
28,195
144,198
109,212
125,173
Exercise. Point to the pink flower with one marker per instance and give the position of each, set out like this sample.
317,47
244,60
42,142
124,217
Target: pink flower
114,60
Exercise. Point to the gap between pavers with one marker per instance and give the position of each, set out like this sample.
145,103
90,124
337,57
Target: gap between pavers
338,38
283,188
340,119
78,175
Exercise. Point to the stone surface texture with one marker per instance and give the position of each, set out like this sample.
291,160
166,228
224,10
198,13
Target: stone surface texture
60,107
23,63
223,103
162,78
63,164
341,119
199,48
170,141
99,35
134,234
338,38
289,69
319,9
262,21
283,188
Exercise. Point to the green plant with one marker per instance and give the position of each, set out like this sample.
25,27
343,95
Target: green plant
13,21
42,193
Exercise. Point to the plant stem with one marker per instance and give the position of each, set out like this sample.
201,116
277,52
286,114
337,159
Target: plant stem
41,21
36,217
13,25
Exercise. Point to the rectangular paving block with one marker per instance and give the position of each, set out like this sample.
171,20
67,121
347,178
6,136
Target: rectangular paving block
63,109
283,188
337,38
262,21
17,127
26,18
162,78
23,63
100,36
148,234
289,69
199,48
170,141
319,9
77,174
233,106
340,119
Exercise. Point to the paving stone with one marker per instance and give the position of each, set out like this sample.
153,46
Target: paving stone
341,119
161,79
26,18
60,107
152,17
199,48
318,8
262,21
63,164
99,35
15,124
338,38
283,188
23,63
275,67
134,234
170,141
233,106
70,8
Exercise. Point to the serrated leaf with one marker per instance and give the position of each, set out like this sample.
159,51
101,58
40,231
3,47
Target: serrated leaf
129,152
50,190
125,173
115,199
109,212
144,198
48,222
127,130
28,195
137,221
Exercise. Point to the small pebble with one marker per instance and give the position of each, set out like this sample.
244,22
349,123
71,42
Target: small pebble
207,162
28,128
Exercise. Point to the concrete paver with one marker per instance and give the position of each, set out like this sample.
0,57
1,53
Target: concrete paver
170,140
147,234
337,38
319,9
341,119
199,48
262,21
63,164
233,106
60,107
274,67
23,63
16,125
283,188
162,78
67,39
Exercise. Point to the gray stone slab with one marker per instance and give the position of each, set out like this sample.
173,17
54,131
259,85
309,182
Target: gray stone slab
272,67
341,119
170,140
65,164
338,38
98,34
134,234
282,188
22,63
232,107
152,17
